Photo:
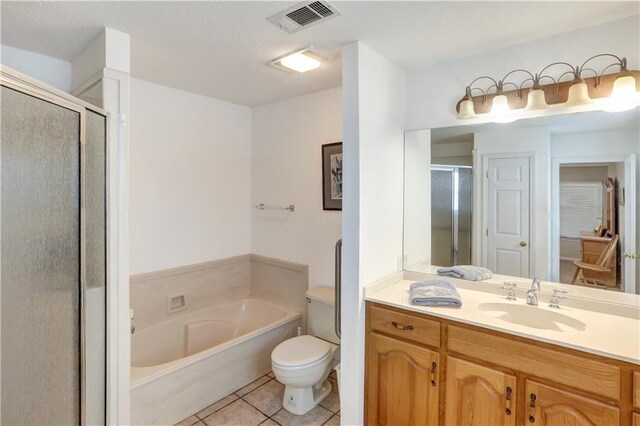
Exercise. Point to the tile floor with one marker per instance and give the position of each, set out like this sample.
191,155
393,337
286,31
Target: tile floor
260,403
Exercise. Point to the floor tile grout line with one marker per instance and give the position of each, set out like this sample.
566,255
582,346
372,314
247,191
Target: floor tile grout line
232,393
202,419
261,412
329,419
253,390
224,406
236,392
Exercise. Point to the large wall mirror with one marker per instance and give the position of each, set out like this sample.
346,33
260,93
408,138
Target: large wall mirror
550,197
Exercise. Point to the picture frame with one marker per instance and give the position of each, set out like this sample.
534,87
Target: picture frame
332,176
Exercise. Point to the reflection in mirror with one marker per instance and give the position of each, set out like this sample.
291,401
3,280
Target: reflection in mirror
551,197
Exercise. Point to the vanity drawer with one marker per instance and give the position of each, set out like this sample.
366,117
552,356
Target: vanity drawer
636,389
555,365
409,327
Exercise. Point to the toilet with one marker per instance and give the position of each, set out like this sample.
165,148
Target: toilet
303,363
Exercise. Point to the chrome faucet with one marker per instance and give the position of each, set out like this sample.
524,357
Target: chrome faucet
557,295
532,293
535,285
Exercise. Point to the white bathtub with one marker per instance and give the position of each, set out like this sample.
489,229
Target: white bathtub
181,366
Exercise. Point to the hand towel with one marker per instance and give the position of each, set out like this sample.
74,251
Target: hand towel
465,272
438,293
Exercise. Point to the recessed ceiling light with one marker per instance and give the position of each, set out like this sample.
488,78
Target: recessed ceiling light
302,60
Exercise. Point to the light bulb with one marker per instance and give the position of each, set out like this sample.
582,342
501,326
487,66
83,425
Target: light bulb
536,99
578,94
500,111
466,109
624,95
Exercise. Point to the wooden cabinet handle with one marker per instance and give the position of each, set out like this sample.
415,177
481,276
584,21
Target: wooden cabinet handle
532,418
401,327
509,391
434,366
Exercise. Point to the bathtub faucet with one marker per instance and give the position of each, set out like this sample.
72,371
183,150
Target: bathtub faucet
133,327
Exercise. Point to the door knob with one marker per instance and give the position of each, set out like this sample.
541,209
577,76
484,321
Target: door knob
523,243
631,255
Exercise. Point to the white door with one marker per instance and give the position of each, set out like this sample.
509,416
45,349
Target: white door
629,249
507,220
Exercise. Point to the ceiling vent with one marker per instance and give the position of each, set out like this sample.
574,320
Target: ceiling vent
303,15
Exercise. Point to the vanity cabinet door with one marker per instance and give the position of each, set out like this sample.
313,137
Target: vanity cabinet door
478,395
402,383
546,405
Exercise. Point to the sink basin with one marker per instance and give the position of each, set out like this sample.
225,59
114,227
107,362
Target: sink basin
531,316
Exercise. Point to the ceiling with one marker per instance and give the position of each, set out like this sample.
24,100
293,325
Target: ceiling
222,49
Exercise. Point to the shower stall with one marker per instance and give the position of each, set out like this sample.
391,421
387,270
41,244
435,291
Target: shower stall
52,256
451,202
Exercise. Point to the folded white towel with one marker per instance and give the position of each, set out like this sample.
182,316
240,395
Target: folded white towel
465,272
438,293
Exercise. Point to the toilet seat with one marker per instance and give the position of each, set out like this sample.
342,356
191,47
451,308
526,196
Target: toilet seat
300,352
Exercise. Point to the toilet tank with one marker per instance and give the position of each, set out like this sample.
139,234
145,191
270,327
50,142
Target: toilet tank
321,313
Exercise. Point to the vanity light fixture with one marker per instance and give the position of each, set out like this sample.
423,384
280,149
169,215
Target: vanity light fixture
578,93
623,95
500,110
466,106
612,92
302,60
535,98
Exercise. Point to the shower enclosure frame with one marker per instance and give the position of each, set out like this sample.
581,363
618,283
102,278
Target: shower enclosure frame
16,81
455,206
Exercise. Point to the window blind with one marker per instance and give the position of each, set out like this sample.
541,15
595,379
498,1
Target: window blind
580,207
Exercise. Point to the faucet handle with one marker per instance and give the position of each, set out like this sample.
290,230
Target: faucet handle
535,285
557,295
511,290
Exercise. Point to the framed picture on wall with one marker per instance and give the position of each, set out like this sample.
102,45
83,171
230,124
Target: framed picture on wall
332,176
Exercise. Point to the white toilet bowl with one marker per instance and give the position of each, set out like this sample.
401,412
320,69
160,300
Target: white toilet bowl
303,364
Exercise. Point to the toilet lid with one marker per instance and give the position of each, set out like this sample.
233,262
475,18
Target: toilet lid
299,351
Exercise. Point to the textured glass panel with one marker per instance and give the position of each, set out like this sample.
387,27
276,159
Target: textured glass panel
441,218
40,217
95,296
465,197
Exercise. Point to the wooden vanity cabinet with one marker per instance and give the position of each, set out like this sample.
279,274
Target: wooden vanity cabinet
547,406
483,396
422,370
636,390
402,383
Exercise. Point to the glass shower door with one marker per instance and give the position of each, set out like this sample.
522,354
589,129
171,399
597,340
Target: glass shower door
52,261
441,217
40,272
451,195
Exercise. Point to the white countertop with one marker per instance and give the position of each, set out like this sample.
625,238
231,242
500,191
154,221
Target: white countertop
601,328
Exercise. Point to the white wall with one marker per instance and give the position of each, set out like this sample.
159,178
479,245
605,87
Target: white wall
286,167
515,141
109,49
52,71
432,93
453,153
190,178
374,99
418,156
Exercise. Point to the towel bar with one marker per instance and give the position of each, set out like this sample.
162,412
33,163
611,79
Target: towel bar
262,206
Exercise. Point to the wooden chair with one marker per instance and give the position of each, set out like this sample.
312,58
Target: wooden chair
601,264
